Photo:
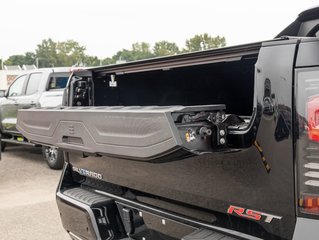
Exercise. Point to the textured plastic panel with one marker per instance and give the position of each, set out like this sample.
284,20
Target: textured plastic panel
134,132
86,197
204,234
88,215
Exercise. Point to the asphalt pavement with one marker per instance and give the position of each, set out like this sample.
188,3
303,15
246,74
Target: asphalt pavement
27,196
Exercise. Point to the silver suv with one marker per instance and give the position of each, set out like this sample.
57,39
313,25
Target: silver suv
37,88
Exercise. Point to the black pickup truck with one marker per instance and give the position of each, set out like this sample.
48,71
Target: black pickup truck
219,144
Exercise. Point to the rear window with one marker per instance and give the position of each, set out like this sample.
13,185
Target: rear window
58,80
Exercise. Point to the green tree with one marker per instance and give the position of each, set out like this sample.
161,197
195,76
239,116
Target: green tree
91,61
15,60
29,58
46,53
204,42
165,48
57,54
70,53
124,54
62,54
139,51
108,61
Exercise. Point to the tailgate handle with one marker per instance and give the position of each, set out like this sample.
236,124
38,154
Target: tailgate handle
72,140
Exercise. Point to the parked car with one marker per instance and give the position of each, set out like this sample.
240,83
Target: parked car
219,144
37,88
2,93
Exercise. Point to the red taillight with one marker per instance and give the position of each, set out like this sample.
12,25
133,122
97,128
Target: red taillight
309,204
307,141
313,119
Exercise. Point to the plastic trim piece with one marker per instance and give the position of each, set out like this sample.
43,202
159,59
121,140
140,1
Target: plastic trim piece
142,133
84,207
204,234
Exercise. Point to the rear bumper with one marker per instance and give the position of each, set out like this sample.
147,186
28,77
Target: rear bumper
85,221
93,214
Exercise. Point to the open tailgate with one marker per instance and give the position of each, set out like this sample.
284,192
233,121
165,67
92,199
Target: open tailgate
128,132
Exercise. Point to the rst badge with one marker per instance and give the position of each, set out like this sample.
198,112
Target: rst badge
251,214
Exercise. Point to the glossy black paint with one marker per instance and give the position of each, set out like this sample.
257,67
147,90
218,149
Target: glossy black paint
213,182
204,186
259,171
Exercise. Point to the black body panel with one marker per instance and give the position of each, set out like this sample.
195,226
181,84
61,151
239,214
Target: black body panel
254,173
251,189
215,181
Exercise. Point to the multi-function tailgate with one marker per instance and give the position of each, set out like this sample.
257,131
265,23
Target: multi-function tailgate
129,132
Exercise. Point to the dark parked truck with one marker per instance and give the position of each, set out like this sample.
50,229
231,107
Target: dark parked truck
220,144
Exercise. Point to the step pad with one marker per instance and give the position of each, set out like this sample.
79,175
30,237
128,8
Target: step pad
86,197
204,234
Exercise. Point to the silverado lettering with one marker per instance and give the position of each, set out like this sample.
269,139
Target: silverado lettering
88,173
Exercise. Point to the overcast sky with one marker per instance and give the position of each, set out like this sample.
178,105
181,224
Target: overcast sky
106,26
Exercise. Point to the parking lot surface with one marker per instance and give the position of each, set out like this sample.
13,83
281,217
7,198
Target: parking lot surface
27,196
